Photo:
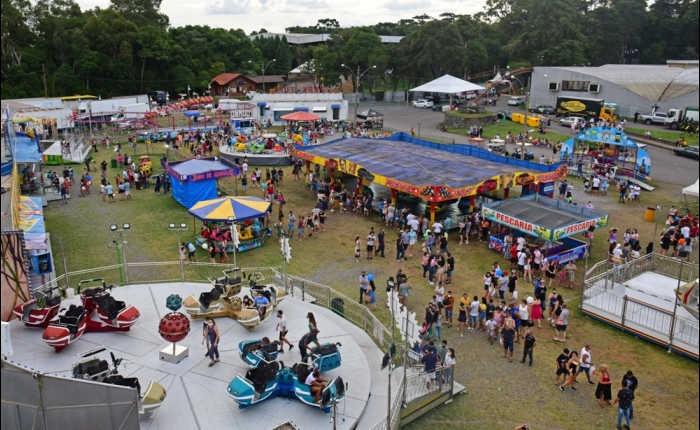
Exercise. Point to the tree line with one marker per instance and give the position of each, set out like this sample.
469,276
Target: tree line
54,47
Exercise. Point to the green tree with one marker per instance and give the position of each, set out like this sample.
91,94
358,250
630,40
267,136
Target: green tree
153,45
438,49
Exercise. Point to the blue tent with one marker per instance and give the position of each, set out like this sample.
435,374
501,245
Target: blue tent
195,180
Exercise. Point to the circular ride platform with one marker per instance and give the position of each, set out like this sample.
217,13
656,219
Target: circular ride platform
196,394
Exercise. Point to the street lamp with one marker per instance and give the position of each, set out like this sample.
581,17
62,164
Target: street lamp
120,242
527,97
179,227
357,76
263,67
234,239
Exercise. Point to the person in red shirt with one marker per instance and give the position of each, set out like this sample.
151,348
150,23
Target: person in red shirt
514,256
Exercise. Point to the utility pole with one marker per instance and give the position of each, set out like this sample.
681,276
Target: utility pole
46,88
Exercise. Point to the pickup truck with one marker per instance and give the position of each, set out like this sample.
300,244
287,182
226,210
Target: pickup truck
654,118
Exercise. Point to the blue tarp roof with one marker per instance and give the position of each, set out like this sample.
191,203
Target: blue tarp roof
194,167
25,150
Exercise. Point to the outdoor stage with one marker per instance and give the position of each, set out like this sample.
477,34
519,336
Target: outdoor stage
197,395
639,298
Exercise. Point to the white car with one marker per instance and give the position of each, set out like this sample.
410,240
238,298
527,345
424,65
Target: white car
566,122
516,101
422,103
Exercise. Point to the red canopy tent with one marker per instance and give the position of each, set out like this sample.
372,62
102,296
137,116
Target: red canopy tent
300,116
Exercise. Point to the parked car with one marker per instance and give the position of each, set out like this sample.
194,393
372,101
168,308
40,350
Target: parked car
516,101
437,107
422,103
545,109
507,114
566,122
655,118
688,151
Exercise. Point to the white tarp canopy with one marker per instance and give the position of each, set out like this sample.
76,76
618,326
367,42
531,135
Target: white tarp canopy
448,85
692,189
498,79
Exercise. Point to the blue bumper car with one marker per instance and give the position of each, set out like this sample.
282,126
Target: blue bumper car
332,393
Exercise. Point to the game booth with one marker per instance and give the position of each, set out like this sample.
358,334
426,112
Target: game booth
195,180
547,224
218,216
609,147
436,173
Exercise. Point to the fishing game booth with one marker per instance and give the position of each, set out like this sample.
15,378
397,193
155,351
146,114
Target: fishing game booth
430,171
547,224
609,147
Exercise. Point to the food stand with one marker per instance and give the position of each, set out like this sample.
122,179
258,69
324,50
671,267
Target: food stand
547,224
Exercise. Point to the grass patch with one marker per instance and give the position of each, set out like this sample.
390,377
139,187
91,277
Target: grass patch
502,130
470,115
327,258
671,136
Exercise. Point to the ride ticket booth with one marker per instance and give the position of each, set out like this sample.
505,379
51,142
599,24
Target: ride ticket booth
547,224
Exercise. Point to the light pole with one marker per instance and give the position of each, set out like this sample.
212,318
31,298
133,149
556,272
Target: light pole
419,129
179,227
120,242
527,97
263,66
357,76
234,238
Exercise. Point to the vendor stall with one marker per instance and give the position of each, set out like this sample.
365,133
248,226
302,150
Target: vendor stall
371,118
220,215
608,146
195,180
547,224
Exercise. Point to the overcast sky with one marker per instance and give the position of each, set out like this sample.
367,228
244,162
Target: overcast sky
276,15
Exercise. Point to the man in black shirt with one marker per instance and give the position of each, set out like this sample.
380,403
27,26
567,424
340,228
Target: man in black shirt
430,361
562,368
508,336
450,268
380,241
624,399
306,341
631,382
529,345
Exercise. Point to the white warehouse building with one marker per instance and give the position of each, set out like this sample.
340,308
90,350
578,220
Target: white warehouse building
633,88
326,105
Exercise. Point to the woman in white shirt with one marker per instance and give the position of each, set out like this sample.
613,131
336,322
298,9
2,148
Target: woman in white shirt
450,361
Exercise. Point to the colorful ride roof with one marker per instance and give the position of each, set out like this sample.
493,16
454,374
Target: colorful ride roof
427,172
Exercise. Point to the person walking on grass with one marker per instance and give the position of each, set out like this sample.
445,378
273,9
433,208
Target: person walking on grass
508,335
562,323
624,405
528,346
562,369
603,391
364,285
464,304
572,365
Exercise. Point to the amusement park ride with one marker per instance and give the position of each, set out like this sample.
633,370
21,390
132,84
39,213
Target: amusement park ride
63,326
224,299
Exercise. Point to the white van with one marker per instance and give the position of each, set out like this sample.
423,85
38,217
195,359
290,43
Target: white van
516,101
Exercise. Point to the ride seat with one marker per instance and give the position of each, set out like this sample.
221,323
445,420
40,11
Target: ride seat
53,300
302,372
124,382
206,299
92,368
90,292
272,347
252,346
110,306
327,349
262,375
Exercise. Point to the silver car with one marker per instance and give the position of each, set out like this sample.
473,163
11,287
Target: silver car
566,122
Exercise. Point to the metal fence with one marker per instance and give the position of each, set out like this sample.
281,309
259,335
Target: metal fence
419,383
662,326
393,421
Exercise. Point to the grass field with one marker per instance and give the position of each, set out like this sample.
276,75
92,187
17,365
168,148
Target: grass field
500,394
668,135
502,130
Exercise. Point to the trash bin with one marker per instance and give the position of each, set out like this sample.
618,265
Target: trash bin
338,305
113,163
650,214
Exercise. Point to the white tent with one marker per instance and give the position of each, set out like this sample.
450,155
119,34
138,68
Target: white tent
448,85
692,190
498,79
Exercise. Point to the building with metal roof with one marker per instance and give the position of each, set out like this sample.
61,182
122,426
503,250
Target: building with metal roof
307,38
633,88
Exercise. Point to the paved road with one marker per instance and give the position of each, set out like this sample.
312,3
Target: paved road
666,167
